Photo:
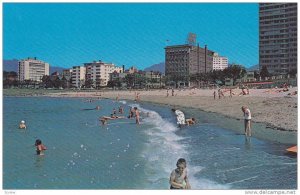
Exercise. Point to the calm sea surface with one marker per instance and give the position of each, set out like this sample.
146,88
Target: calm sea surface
83,154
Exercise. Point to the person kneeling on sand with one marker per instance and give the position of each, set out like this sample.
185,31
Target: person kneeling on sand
178,177
22,125
190,121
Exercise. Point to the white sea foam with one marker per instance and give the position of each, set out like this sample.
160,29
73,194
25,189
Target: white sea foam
123,101
164,149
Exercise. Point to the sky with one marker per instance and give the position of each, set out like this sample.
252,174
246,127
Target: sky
130,34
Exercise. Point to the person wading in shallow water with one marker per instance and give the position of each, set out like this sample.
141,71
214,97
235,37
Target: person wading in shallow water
40,147
178,177
247,120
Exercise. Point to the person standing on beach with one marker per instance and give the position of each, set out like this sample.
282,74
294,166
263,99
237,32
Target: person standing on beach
215,93
172,91
167,93
230,93
178,177
247,120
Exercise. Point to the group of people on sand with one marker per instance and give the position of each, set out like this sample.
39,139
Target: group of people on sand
220,93
133,112
173,92
40,147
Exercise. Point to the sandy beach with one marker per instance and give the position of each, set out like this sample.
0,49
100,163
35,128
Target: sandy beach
274,107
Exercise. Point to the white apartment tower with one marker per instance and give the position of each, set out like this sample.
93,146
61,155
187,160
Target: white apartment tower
32,69
219,62
99,71
78,76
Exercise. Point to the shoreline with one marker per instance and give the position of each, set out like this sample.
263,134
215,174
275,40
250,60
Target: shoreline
277,110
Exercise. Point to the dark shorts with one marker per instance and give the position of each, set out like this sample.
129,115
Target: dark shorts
172,188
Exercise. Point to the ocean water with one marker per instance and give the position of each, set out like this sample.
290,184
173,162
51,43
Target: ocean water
83,154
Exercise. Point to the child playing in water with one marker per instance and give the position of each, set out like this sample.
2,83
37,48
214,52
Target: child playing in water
178,177
39,147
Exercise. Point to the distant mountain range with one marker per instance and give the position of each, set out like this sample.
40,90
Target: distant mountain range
12,65
252,68
157,67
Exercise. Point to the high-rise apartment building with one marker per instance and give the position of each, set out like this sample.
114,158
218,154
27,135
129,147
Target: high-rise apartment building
219,62
32,69
99,71
181,61
278,37
78,76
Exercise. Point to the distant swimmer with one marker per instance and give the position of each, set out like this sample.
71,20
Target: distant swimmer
180,117
103,121
22,125
190,121
114,111
131,112
39,147
121,110
96,108
178,177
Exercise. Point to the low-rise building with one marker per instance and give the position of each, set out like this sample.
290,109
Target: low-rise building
219,62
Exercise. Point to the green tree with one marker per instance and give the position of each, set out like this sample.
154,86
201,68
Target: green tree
235,72
88,83
46,80
264,72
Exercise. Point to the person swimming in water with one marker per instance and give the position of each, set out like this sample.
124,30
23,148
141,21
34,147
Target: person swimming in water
104,119
40,147
22,125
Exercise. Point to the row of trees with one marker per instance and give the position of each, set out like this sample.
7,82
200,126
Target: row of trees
234,72
135,80
216,76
